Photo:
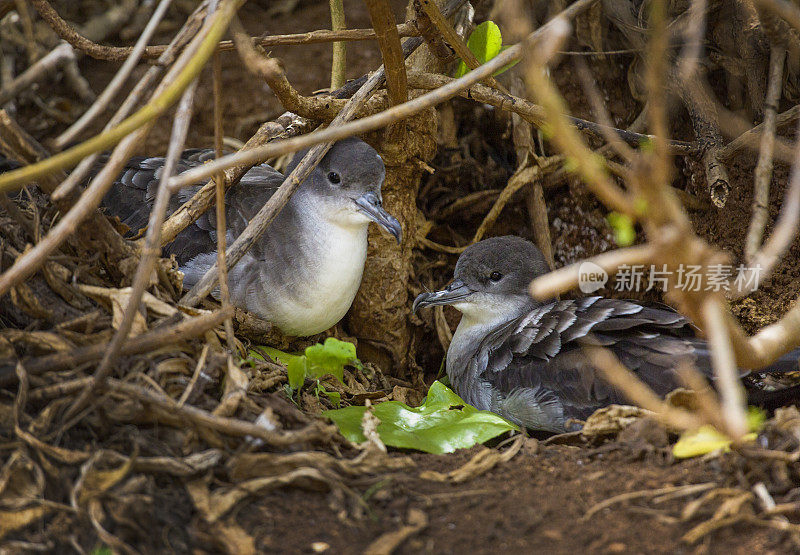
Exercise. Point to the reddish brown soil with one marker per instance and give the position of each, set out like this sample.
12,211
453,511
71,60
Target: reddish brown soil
534,503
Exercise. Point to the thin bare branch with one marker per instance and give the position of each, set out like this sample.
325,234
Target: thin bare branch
724,363
637,391
150,252
561,280
117,82
376,121
316,431
45,67
380,13
166,335
180,75
219,181
763,171
187,32
784,9
339,63
534,114
455,41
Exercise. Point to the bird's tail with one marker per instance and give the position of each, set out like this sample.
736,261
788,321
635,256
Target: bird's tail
790,362
773,399
767,399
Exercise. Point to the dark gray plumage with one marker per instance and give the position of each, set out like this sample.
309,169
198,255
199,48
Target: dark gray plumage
523,359
304,272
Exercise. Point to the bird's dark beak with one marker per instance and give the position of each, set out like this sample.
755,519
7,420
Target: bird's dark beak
370,204
453,293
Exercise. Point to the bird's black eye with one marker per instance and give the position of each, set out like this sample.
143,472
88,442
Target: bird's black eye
334,178
496,276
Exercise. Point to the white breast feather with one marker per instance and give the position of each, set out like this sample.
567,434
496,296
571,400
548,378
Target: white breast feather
340,265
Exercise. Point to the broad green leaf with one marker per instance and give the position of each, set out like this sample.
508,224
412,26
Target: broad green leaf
624,233
442,424
485,42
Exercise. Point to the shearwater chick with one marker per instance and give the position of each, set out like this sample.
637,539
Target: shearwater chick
523,359
303,273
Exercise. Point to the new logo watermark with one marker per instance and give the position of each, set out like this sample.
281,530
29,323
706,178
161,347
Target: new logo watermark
638,277
591,277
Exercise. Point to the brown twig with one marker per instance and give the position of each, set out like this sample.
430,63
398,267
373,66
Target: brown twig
219,181
66,32
382,18
316,431
150,252
636,390
117,82
91,197
376,121
723,361
201,362
431,36
763,261
256,227
786,10
339,63
154,339
763,171
192,25
524,176
45,67
287,126
115,53
551,284
601,113
752,137
455,41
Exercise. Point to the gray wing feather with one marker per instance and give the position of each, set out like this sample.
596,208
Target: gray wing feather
538,356
132,195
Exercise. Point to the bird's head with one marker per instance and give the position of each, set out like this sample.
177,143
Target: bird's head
347,186
491,279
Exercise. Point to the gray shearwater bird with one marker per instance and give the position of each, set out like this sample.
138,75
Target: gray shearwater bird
303,273
522,358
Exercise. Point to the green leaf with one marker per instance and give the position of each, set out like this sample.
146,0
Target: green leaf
297,369
331,358
442,424
624,233
485,42
323,358
276,354
334,396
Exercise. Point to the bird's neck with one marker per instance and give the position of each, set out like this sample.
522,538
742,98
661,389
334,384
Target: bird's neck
478,321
